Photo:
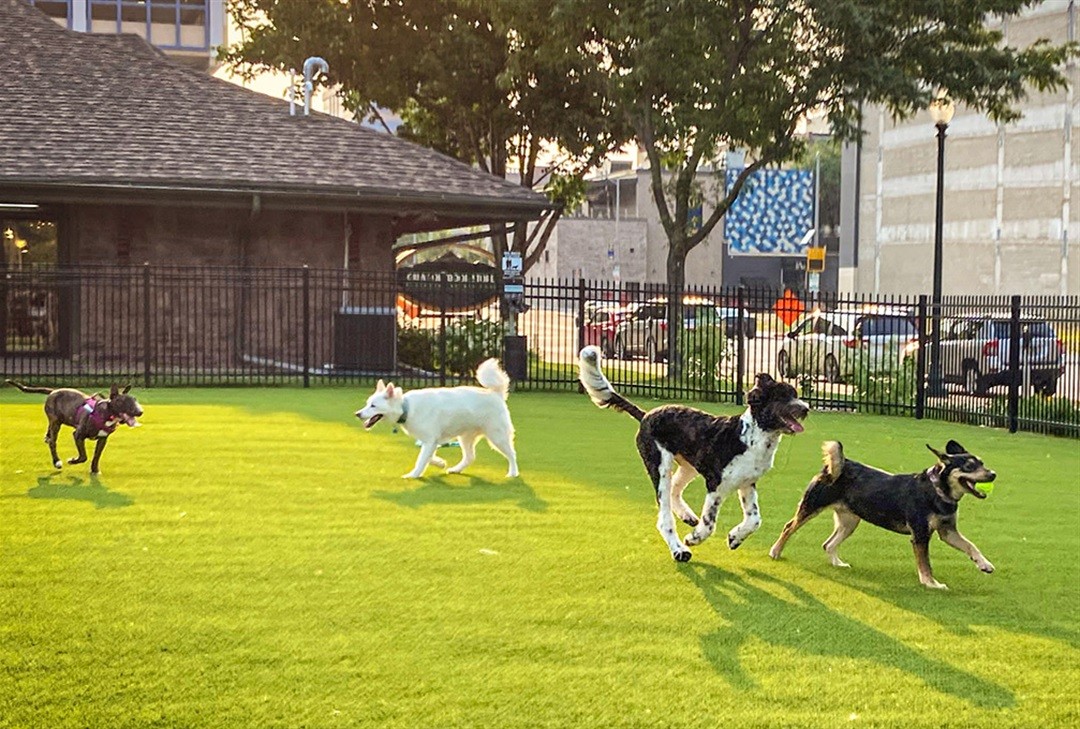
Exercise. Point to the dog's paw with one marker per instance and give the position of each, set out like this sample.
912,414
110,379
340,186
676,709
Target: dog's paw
935,585
512,473
412,475
734,541
986,567
837,562
774,552
689,520
683,555
692,539
58,464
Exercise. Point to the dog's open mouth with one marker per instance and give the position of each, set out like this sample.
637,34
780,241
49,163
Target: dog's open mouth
129,420
372,420
969,486
791,421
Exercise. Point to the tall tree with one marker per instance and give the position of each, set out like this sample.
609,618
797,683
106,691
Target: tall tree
491,82
696,77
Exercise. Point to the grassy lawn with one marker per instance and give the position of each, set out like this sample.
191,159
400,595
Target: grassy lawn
251,558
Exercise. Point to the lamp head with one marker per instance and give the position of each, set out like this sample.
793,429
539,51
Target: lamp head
942,109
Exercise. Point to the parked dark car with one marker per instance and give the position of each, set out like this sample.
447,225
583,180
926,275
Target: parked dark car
643,329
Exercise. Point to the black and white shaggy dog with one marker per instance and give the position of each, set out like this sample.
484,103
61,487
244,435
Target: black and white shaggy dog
917,503
732,453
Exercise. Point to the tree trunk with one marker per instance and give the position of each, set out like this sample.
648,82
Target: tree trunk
676,266
676,281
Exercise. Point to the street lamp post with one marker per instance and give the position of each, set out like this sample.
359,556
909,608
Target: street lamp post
941,111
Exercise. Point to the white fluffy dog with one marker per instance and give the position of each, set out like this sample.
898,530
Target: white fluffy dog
435,415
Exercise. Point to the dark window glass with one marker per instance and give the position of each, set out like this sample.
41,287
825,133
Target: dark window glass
133,12
886,326
54,8
1039,329
103,10
163,11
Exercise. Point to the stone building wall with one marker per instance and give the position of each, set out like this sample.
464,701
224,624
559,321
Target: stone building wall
1012,192
579,249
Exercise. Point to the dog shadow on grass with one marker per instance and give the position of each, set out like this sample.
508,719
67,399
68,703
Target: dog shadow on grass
448,490
77,488
800,622
966,608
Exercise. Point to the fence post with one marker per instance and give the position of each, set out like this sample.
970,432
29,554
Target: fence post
580,322
442,329
920,363
147,348
307,326
740,347
1014,365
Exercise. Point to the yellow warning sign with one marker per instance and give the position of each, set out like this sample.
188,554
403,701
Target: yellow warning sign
815,260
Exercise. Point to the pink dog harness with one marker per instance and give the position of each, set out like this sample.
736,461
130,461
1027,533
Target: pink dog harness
99,416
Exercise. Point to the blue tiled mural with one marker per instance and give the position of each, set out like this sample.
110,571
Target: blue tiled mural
773,212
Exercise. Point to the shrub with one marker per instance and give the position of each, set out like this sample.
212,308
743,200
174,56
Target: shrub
416,346
468,342
882,384
703,351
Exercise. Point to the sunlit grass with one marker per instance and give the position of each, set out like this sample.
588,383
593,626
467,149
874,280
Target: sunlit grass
251,558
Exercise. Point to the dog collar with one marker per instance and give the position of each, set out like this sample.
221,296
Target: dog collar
404,411
934,474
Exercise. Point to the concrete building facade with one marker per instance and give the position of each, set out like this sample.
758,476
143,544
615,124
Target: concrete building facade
188,31
1011,219
617,236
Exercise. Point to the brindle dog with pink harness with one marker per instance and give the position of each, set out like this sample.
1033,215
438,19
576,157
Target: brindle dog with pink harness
92,416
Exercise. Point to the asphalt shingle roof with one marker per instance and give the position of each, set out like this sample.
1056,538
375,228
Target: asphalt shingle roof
98,111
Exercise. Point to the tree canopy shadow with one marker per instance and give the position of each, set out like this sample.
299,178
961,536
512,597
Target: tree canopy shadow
448,490
802,623
76,488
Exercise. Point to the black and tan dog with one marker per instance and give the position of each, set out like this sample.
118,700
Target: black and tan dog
92,416
918,504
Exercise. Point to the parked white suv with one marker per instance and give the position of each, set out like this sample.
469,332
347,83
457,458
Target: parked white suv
826,344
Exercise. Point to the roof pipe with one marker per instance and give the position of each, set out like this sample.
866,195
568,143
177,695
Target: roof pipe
309,70
292,92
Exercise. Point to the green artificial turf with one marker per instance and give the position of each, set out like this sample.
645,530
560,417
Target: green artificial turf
252,558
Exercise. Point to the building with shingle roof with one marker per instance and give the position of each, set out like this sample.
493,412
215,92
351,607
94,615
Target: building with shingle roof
138,158
113,154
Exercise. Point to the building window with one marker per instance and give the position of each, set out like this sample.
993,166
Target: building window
170,24
58,10
29,321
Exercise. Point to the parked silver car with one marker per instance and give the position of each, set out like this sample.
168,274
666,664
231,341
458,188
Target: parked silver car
826,344
975,352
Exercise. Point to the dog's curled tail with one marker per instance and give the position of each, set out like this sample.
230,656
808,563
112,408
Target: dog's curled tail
27,388
598,386
491,376
832,454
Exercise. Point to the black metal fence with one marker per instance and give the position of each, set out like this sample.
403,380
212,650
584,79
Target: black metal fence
1010,362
